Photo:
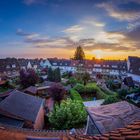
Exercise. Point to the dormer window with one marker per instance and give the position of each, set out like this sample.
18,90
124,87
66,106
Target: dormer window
13,66
97,65
55,64
114,66
8,66
131,70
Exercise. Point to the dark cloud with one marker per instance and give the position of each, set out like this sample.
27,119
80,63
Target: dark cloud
134,34
123,10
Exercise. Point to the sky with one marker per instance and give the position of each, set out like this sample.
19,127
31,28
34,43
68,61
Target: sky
108,29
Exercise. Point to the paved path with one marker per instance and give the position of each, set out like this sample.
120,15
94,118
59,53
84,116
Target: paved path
95,103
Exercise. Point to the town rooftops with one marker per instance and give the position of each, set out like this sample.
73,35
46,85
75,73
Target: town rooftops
130,132
21,105
117,115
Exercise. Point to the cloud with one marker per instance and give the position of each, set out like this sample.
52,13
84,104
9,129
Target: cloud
86,28
20,32
73,29
87,34
122,10
30,2
134,34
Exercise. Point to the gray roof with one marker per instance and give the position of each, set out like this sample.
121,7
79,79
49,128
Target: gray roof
117,115
21,105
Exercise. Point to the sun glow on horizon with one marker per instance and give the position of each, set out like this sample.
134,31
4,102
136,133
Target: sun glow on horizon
98,54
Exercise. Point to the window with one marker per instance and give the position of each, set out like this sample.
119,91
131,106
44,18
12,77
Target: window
55,64
13,66
97,65
114,66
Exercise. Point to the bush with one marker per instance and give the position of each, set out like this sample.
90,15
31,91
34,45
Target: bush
72,81
111,99
70,114
90,89
123,93
57,92
99,93
80,88
75,95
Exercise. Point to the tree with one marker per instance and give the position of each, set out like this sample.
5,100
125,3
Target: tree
54,75
79,53
57,75
57,92
86,77
50,74
70,114
28,78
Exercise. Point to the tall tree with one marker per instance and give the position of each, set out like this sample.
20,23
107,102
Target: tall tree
79,53
50,74
57,75
85,77
80,56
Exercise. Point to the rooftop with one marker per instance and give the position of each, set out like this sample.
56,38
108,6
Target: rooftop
117,115
19,104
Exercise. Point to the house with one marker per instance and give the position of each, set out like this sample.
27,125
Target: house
8,67
106,118
24,107
133,68
110,67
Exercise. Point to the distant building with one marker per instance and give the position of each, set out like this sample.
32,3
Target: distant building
133,68
25,108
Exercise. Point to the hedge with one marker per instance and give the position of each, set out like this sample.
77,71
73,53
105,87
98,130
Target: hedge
99,93
111,99
75,95
80,88
90,89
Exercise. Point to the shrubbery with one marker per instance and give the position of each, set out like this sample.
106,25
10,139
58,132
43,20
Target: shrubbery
72,81
123,93
91,88
70,114
111,99
75,95
80,88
